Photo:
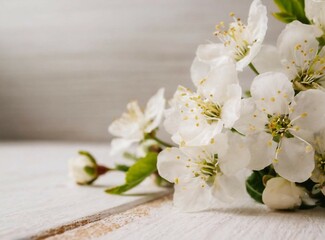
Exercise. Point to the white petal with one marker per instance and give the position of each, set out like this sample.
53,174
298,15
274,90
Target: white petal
171,165
129,125
207,56
268,60
199,71
297,33
227,189
119,145
257,26
231,108
257,20
190,196
262,150
272,92
218,146
197,135
310,111
216,83
251,120
154,110
237,157
314,10
295,160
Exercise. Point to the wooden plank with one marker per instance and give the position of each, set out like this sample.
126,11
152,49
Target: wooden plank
36,194
246,220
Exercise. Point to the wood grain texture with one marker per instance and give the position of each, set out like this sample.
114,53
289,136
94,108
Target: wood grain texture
37,198
246,220
68,67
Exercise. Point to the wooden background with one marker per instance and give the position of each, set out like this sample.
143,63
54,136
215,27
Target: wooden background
68,67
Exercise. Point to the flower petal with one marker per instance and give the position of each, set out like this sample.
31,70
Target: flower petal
237,157
154,110
190,196
272,92
128,126
119,145
216,84
231,108
227,189
295,34
262,150
207,57
268,60
251,120
295,160
309,110
171,165
256,28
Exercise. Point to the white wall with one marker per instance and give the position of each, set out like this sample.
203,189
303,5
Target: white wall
68,67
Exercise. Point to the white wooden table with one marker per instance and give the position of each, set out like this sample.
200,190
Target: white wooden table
39,201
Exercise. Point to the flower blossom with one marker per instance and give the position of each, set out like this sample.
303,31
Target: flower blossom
240,42
297,55
134,124
281,194
315,12
196,117
83,169
205,174
318,175
280,126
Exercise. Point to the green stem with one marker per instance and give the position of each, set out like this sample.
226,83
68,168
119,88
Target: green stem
160,141
253,68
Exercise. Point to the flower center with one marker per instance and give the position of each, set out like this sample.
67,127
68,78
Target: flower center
278,126
320,162
211,110
308,67
235,37
207,168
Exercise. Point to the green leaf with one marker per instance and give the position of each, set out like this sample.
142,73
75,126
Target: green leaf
123,188
291,10
122,167
255,186
138,172
142,168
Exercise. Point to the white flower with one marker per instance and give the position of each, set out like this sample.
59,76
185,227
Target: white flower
296,55
205,174
134,124
280,127
280,193
83,169
318,175
241,42
315,12
195,118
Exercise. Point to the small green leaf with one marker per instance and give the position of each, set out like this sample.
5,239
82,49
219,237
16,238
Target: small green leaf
138,172
123,188
284,17
255,186
291,10
122,167
90,171
142,168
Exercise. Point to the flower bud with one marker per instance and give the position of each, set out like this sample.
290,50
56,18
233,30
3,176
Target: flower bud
83,169
280,193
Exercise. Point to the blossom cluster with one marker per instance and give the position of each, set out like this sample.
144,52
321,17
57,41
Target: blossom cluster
270,141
